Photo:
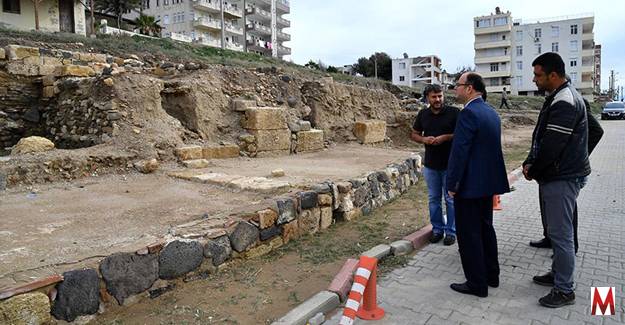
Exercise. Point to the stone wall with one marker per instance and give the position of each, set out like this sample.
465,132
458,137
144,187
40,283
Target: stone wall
150,269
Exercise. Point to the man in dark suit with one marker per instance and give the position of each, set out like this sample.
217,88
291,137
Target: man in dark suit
475,173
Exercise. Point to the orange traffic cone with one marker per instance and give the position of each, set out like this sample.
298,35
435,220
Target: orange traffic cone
497,203
369,310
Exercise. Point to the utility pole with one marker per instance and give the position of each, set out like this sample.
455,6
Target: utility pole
375,64
223,25
611,85
244,28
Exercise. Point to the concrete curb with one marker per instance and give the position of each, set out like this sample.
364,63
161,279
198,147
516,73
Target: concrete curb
420,238
343,280
322,302
515,175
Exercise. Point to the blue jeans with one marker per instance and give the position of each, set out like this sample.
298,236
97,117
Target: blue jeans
437,187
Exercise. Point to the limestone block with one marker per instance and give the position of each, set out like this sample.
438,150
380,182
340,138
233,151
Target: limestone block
48,92
309,221
29,308
189,152
370,131
272,140
32,144
19,68
2,54
240,105
265,118
74,71
290,231
196,163
309,141
18,52
326,217
221,152
267,218
325,200
48,80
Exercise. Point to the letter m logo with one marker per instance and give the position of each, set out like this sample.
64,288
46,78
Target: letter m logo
602,297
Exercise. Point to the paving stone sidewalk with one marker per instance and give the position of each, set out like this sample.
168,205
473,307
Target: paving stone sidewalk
420,293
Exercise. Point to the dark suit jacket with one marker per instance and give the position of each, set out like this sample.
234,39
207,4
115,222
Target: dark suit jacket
476,168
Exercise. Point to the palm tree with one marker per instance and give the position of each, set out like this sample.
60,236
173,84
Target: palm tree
148,25
117,8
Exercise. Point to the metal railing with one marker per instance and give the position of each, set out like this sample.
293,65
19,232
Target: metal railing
552,19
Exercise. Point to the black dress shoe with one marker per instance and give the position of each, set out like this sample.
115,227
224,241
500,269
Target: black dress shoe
543,243
557,299
436,238
544,280
449,240
493,284
464,288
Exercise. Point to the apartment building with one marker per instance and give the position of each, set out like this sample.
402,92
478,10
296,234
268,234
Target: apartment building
506,48
66,16
597,86
248,25
417,70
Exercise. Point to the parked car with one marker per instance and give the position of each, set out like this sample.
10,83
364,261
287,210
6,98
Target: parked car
613,110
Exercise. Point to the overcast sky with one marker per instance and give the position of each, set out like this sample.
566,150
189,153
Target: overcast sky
338,32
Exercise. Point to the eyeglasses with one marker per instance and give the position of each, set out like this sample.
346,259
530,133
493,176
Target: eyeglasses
458,85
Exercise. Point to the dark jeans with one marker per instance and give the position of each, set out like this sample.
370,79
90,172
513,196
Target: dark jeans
477,241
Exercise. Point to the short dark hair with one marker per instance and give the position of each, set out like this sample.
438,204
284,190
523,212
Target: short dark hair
432,89
550,62
476,81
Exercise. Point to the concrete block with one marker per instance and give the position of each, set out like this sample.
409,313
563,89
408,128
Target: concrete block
74,71
272,140
421,237
322,302
379,251
221,152
401,247
309,141
342,282
370,131
265,118
189,152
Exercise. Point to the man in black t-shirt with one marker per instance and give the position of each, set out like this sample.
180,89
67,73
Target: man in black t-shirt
434,127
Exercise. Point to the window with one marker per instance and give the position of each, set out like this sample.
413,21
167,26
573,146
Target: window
402,65
11,6
519,65
166,19
574,46
555,31
538,32
483,23
573,77
494,67
519,81
165,2
555,47
494,82
573,29
402,78
146,4
519,51
519,35
158,3
501,21
538,48
573,62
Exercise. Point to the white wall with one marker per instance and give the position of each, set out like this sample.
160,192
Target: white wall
48,17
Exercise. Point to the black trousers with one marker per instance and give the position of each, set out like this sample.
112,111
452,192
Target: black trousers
544,221
477,241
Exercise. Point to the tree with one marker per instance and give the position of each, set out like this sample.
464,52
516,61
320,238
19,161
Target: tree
117,7
312,65
148,25
367,67
332,69
36,8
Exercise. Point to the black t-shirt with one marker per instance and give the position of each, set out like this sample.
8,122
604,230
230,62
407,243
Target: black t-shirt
431,124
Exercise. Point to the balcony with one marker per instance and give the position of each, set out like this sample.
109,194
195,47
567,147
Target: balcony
209,42
497,89
492,59
490,45
283,23
587,68
234,46
283,50
232,12
258,45
588,52
258,13
259,29
283,6
234,29
207,22
180,37
585,84
207,6
284,36
495,74
492,29
588,36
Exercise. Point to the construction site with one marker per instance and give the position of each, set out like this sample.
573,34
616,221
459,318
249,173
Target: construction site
134,181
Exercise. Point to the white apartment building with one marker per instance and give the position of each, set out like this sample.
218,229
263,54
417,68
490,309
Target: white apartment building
418,70
259,28
505,50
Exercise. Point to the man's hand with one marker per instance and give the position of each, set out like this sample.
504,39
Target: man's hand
429,140
452,194
526,170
